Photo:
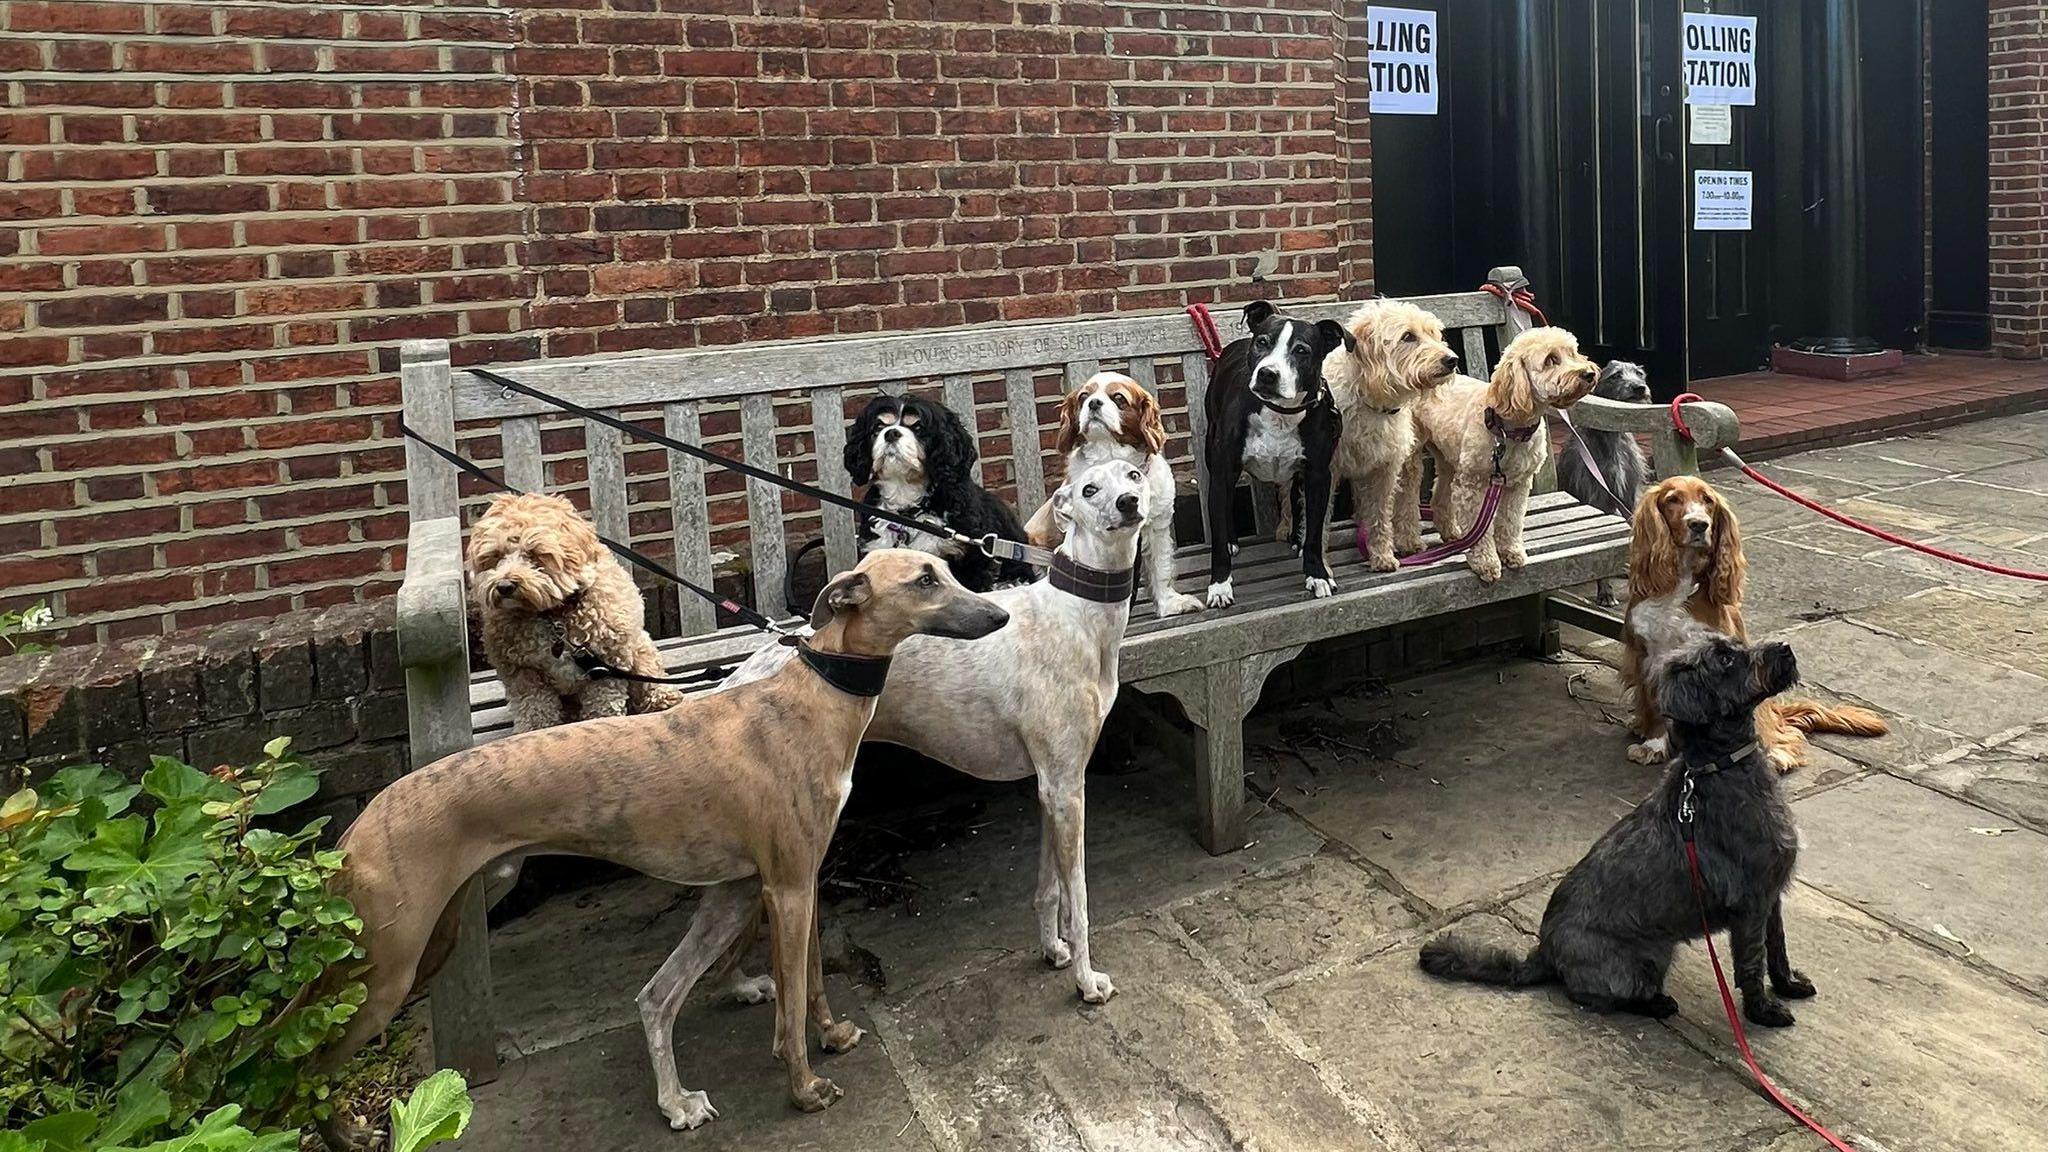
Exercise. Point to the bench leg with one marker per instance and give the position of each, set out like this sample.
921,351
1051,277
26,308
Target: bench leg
464,1023
1540,637
1219,760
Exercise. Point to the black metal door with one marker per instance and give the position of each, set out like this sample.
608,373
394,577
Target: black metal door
1729,273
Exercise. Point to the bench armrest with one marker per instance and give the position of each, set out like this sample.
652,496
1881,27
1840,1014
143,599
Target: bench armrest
433,623
1714,427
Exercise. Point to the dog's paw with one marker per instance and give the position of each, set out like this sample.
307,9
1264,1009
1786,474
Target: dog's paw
1057,953
1648,752
753,989
1487,568
1233,547
817,1095
1176,604
1095,987
1320,588
843,1036
1222,595
1382,559
1407,543
1768,1011
1795,986
1659,1007
688,1111
1782,760
1514,559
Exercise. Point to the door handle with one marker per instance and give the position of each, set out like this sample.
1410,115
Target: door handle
1657,147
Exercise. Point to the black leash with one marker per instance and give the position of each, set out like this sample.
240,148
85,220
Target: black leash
992,544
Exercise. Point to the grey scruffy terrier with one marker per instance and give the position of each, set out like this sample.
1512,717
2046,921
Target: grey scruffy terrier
1612,923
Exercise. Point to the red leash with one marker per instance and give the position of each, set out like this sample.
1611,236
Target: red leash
1205,331
1522,298
1763,1082
1678,422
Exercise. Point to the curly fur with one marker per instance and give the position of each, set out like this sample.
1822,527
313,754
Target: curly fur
1683,530
1539,372
927,467
1610,928
1111,418
545,587
1397,353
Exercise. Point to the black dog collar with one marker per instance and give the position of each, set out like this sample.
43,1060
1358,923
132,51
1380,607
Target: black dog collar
1091,583
853,675
1715,765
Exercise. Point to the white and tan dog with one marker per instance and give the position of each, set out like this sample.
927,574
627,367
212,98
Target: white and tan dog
735,791
1112,419
546,588
1398,353
1030,700
1460,423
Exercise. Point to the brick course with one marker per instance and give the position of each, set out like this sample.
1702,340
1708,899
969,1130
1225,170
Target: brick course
2019,177
220,219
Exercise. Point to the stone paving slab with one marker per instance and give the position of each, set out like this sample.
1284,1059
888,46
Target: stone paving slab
1487,1070
599,1093
1760,510
1924,681
1268,926
1903,1046
1872,465
2010,779
2025,475
1789,585
2024,434
1910,856
1973,544
1966,500
1172,1062
1961,622
1542,784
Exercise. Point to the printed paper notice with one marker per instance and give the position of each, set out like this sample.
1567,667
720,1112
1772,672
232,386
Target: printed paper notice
1720,201
1720,59
1401,60
1712,124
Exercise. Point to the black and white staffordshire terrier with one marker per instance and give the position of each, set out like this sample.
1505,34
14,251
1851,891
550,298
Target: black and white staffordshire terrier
1271,417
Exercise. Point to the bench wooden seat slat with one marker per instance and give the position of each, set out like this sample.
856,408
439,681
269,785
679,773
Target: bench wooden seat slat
1214,663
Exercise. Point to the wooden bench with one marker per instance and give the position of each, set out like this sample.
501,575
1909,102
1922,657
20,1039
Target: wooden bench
785,406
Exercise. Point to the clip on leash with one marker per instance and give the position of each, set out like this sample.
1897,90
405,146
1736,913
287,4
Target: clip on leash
592,665
1728,454
1686,813
992,545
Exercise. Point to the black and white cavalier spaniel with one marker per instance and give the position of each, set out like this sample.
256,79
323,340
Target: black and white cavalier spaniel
915,457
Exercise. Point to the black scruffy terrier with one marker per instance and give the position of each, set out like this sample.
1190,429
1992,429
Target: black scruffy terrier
1609,931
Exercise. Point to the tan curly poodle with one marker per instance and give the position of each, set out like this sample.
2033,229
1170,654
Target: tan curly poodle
547,588
1540,371
1400,353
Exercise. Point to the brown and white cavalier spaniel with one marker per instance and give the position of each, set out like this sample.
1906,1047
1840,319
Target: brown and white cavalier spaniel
1111,417
1684,530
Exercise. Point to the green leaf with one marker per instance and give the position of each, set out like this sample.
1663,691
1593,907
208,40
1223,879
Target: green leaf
276,749
175,783
289,787
437,1111
18,808
63,1132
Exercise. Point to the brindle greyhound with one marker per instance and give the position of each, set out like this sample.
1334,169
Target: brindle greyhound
735,791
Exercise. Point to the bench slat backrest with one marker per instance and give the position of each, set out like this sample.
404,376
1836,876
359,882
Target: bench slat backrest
1001,383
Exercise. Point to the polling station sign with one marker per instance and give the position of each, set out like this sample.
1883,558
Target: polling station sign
1401,61
1720,59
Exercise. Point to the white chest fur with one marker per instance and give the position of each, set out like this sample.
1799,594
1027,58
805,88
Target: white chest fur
1272,445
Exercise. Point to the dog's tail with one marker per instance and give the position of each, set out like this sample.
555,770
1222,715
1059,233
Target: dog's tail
1453,959
1846,719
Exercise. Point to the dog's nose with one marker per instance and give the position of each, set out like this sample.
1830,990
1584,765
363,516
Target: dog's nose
1095,404
505,588
1698,528
1127,504
1450,363
1265,380
892,434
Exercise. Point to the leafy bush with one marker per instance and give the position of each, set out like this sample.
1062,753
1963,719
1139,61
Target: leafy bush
157,966
13,624
438,1110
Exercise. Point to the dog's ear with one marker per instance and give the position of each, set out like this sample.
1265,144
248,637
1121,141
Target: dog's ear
1256,313
1513,393
948,448
1727,566
1069,436
1062,502
1332,336
1685,688
859,456
1151,426
848,591
1652,554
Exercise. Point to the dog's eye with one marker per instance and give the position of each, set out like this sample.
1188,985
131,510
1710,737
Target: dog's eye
1090,491
1258,343
1132,475
1117,398
888,418
927,580
1301,349
910,419
1407,337
1550,361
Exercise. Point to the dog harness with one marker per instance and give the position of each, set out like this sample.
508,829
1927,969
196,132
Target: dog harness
1094,584
851,674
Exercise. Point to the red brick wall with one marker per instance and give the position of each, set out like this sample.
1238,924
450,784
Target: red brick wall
2019,177
220,218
